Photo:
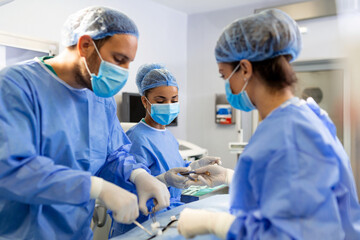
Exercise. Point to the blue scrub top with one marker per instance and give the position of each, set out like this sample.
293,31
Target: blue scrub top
158,150
52,139
294,180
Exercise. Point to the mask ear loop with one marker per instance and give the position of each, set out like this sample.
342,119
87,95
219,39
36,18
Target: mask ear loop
87,68
97,51
150,105
233,72
246,83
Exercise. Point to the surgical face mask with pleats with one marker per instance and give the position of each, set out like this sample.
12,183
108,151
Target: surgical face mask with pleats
163,113
110,79
241,100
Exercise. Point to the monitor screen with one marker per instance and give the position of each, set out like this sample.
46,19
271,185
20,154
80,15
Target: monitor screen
132,109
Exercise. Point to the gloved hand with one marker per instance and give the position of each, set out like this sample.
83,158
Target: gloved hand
214,175
194,222
171,178
208,160
148,187
122,203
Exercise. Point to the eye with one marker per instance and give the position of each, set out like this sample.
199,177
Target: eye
222,76
174,101
120,60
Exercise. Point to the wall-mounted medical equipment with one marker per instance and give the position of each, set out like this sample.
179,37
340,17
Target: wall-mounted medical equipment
224,113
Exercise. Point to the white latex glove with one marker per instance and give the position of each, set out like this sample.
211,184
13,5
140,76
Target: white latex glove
122,203
194,222
148,187
214,175
208,160
171,178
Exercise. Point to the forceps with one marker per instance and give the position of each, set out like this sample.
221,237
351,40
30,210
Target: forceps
152,214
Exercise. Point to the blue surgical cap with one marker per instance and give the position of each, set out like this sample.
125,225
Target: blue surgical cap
261,36
154,75
98,23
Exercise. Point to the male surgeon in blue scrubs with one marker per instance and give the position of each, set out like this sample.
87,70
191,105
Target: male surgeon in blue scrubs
61,144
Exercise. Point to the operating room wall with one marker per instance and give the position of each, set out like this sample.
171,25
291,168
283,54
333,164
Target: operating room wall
320,42
163,34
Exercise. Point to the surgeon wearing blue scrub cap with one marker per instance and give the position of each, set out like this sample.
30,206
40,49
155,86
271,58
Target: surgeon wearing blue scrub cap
293,179
61,144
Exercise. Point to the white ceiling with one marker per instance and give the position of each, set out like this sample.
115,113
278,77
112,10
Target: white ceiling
198,6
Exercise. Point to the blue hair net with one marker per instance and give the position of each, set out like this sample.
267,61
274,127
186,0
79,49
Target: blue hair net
261,36
152,76
97,22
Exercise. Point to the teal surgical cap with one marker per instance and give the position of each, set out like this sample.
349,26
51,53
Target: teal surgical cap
154,75
98,23
261,36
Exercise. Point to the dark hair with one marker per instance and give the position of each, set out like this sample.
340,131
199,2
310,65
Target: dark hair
99,43
276,73
146,92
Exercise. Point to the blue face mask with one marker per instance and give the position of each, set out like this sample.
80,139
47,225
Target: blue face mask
164,114
110,79
241,100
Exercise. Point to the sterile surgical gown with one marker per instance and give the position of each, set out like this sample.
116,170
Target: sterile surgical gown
158,150
294,180
52,139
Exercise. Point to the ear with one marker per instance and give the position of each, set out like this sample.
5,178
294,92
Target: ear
85,46
144,102
246,68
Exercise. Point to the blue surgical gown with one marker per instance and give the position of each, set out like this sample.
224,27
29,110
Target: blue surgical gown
52,139
294,180
158,150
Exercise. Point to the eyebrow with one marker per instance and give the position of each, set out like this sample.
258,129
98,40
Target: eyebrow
122,55
159,97
165,97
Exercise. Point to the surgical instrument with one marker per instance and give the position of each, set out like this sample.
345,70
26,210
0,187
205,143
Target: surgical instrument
142,227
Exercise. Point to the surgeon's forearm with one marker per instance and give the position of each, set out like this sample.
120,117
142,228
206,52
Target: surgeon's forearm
223,224
96,187
39,181
193,222
135,173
